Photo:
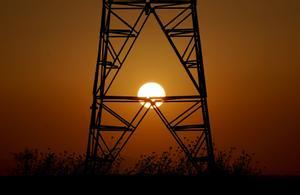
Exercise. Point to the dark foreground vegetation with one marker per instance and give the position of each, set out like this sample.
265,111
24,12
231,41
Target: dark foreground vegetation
235,172
31,162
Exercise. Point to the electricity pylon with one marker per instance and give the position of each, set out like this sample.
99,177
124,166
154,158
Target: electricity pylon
114,47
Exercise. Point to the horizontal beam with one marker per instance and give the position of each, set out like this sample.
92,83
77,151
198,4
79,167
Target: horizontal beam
152,99
150,1
199,127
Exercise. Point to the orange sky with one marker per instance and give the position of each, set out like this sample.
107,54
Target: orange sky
48,52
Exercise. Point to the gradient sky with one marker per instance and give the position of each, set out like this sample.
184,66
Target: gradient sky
251,52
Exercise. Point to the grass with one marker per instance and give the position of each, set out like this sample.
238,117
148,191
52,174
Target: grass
31,162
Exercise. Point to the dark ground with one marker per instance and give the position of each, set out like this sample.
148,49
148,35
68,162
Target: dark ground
154,185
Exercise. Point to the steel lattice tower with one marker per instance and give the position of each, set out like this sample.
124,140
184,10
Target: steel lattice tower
110,61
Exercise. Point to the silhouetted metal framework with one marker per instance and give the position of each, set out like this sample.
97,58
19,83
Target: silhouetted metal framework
110,61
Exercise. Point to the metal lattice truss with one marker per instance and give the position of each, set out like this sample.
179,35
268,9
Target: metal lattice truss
115,45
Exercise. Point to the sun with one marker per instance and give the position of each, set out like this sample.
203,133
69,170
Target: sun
149,90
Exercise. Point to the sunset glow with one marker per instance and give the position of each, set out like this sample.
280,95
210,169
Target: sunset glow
250,57
149,90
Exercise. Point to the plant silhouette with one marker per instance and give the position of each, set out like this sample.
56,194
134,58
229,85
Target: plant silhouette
31,162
